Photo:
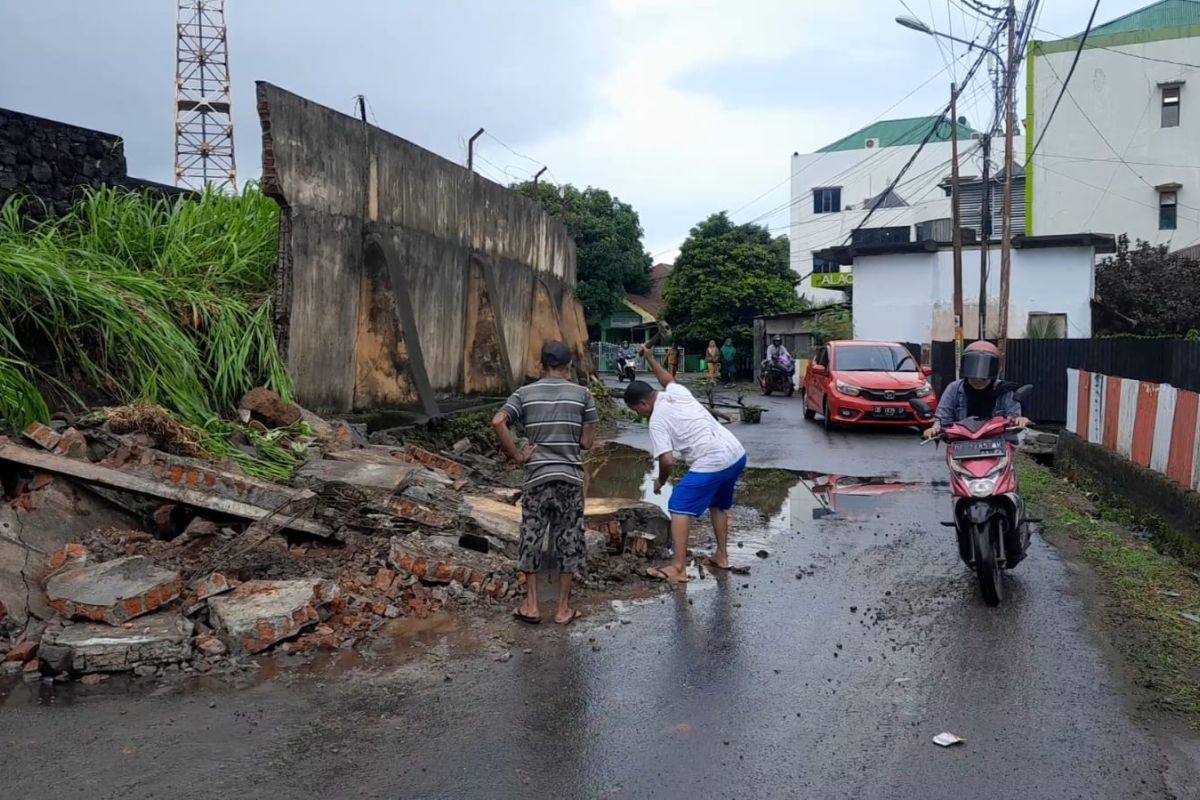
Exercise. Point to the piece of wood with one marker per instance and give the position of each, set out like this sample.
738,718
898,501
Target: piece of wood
390,477
116,479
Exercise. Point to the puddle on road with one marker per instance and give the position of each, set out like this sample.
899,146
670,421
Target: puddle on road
770,502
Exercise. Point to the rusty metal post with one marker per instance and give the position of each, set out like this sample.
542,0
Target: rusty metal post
538,175
471,150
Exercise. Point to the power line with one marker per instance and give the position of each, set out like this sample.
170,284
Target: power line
1070,72
1123,52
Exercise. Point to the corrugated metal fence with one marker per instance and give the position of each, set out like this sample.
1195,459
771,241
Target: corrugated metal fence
1044,363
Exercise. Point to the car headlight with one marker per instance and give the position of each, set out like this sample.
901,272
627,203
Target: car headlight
982,487
925,390
846,388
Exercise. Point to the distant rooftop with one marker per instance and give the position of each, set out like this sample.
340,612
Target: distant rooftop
1166,19
899,132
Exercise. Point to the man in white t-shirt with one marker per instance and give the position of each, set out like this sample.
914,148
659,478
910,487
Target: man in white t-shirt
715,458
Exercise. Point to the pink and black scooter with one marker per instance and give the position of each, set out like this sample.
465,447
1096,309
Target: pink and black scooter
989,514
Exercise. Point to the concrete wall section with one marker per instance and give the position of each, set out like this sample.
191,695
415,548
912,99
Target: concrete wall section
481,275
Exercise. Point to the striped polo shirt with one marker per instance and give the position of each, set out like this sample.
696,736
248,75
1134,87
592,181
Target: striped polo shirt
553,412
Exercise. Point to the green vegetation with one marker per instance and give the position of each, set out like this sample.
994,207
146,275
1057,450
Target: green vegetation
1150,589
1130,286
132,298
608,240
725,276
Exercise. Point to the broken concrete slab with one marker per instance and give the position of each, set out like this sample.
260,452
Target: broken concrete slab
391,477
34,527
113,591
614,516
493,517
258,614
202,589
407,508
163,638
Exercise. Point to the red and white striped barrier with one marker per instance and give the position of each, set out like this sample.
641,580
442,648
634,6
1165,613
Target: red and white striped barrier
1151,424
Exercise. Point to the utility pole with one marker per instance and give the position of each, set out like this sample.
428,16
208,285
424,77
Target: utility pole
1006,206
985,230
471,150
956,236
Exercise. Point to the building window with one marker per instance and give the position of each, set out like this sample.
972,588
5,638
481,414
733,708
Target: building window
896,235
1170,106
823,267
1166,211
1046,326
827,200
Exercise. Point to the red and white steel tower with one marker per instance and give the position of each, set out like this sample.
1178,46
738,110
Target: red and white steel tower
203,105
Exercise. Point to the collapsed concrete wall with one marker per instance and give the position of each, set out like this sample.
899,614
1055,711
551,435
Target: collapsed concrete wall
405,278
51,161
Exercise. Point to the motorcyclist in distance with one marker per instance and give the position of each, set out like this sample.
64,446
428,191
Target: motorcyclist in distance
975,394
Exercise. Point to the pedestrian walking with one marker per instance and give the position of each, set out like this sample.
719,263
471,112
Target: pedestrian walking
715,457
713,358
728,362
559,418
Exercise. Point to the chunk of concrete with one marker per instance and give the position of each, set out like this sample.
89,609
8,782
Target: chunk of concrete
113,591
259,614
163,638
373,475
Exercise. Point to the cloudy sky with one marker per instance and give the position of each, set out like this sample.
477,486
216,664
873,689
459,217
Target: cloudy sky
681,107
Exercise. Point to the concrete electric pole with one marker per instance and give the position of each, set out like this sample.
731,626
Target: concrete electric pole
203,104
1006,206
956,235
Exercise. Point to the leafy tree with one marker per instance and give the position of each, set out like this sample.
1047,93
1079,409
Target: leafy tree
608,240
725,276
1148,291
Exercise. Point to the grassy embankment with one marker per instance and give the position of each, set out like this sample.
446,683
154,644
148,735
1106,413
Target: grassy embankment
1151,578
134,299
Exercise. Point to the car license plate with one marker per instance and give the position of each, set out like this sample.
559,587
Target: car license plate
888,411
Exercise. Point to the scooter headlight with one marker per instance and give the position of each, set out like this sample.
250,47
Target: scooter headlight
983,487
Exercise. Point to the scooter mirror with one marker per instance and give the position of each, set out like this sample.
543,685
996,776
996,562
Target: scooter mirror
1023,394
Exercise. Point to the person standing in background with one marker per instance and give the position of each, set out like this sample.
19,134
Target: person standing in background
673,360
713,357
728,358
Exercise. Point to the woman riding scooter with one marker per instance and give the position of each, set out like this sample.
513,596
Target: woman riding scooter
976,395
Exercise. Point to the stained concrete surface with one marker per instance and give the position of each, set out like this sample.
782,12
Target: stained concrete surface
830,685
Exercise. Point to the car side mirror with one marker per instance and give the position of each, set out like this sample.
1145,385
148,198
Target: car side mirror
1023,394
921,407
819,369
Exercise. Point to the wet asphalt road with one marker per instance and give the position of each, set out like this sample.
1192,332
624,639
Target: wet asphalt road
768,686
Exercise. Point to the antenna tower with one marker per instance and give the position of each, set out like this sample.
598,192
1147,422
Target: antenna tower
203,108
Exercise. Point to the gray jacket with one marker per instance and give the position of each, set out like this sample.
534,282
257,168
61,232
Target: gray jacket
953,405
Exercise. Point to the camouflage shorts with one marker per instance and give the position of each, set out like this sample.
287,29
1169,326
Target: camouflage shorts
554,508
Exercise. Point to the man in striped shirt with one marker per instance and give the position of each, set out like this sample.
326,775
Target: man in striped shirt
559,418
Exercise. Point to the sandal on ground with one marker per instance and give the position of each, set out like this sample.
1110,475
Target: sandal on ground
523,617
659,575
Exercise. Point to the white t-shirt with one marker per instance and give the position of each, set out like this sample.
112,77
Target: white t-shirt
680,424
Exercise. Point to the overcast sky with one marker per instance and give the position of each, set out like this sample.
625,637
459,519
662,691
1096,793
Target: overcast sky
681,107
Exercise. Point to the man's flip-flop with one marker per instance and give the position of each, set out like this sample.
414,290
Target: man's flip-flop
736,569
659,575
526,618
575,614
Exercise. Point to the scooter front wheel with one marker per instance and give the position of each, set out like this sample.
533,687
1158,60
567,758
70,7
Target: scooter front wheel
987,567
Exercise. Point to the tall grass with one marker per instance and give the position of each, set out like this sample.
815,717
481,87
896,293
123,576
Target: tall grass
141,299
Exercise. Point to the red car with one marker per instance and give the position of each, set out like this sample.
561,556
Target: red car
869,383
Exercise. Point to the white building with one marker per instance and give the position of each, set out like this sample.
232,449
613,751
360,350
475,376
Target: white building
834,188
905,292
1122,152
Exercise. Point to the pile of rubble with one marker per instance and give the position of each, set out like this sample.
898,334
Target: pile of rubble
118,554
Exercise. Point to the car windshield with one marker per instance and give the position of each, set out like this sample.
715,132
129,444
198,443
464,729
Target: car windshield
874,358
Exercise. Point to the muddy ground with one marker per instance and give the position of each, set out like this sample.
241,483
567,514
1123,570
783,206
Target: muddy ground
824,673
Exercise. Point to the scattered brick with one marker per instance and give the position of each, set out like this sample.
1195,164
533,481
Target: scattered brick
411,454
113,592
259,614
383,580
22,652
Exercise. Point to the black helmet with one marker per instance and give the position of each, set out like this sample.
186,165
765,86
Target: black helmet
980,365
776,339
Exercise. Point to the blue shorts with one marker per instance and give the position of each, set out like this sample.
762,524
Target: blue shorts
700,491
